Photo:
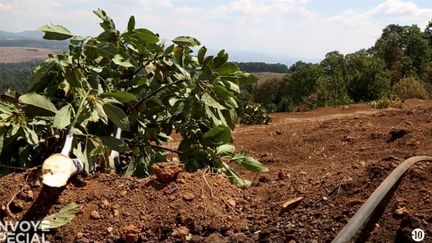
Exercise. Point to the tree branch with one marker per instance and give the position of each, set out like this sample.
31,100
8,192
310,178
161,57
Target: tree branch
154,92
166,149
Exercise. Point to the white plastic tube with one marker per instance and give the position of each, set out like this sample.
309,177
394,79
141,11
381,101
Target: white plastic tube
58,168
115,154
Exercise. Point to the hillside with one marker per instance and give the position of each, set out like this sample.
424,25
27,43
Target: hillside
29,39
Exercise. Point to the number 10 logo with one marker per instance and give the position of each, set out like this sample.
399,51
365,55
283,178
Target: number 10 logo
418,235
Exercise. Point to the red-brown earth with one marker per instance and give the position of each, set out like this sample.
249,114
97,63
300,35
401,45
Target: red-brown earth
331,159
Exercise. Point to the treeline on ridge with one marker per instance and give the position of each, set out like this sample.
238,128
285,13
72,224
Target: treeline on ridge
398,66
254,67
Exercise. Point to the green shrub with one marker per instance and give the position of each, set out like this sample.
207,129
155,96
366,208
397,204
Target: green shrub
385,102
255,113
133,81
409,88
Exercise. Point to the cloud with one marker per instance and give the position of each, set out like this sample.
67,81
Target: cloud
361,29
264,9
398,8
286,27
387,12
150,4
5,7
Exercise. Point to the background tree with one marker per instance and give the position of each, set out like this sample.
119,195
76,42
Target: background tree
367,76
332,86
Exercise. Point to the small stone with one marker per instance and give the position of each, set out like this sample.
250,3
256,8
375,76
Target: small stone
95,214
167,172
110,229
188,196
181,231
130,233
281,175
346,138
314,241
325,198
231,202
105,203
116,213
264,179
123,193
79,235
401,211
290,204
26,195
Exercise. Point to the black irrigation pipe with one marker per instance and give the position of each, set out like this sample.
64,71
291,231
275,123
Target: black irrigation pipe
366,210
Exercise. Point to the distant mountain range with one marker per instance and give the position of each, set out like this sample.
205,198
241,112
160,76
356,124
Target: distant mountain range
34,39
29,39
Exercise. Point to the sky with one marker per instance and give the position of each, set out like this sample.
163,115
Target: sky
294,28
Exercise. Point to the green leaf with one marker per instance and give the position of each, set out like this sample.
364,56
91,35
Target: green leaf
62,118
230,117
228,68
109,35
107,22
220,59
218,135
201,53
186,41
37,80
55,32
131,23
33,99
31,136
232,86
225,149
114,143
249,163
100,111
208,100
73,77
77,39
104,49
117,116
64,216
146,36
82,156
121,96
246,78
119,60
234,177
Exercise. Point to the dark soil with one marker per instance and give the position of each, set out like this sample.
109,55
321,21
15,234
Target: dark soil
323,165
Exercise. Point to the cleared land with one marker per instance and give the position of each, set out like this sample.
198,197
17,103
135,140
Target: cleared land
23,54
333,158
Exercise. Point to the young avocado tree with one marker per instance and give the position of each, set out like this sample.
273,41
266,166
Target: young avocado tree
133,81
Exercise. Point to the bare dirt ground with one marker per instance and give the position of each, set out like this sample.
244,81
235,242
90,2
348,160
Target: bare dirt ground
23,54
330,159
